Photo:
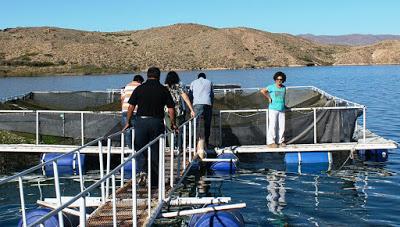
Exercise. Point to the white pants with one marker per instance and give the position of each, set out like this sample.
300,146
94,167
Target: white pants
276,121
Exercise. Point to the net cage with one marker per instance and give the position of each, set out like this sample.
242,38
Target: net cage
240,117
62,117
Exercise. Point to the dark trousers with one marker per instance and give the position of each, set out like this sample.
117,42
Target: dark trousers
147,129
204,114
128,135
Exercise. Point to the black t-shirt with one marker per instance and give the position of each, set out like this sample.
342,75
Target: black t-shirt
151,97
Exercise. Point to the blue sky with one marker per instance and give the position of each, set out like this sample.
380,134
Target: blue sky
321,17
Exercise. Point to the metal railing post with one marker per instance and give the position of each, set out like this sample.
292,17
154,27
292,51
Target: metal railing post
82,209
58,192
160,167
364,123
266,125
164,144
194,135
22,198
134,202
149,181
190,141
122,157
81,179
220,129
114,201
184,147
108,165
315,124
172,160
103,194
37,127
82,130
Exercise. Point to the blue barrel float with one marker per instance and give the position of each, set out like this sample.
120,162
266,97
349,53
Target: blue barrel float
308,162
376,155
34,215
225,167
231,218
67,165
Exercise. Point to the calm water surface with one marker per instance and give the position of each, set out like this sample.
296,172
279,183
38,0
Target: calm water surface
359,194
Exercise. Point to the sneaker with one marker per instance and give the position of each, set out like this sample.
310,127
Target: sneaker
282,145
142,179
272,145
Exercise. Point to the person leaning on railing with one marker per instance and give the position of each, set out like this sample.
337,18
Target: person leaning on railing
150,98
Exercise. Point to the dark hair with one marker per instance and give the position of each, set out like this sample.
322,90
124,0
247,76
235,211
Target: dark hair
172,78
201,75
138,78
278,74
153,72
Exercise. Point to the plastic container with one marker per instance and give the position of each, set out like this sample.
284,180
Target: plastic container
231,218
224,166
36,214
67,165
308,157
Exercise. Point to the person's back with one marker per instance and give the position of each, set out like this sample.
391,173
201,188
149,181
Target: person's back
202,91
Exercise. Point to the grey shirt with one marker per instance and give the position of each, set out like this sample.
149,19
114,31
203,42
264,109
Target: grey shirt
202,90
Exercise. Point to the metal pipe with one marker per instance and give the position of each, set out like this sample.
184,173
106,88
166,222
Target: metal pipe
163,167
58,193
108,165
122,157
114,201
160,167
194,135
220,128
22,198
364,123
82,130
37,127
190,141
101,163
184,147
81,179
315,125
149,181
266,125
82,209
134,202
172,160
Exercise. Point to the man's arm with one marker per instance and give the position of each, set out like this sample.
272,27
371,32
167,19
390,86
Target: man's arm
129,116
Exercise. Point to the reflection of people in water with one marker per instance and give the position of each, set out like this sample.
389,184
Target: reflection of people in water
276,192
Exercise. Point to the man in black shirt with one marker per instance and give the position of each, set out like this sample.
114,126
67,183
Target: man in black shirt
150,97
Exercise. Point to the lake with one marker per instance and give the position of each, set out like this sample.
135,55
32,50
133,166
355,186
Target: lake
361,194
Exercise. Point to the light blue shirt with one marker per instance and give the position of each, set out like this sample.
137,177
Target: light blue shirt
278,97
202,90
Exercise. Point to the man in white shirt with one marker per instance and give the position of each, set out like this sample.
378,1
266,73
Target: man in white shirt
203,98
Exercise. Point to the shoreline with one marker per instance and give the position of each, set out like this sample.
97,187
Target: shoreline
121,72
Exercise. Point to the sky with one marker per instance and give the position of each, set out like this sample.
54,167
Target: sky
319,17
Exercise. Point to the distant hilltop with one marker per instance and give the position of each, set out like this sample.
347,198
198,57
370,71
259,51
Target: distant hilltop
351,40
56,51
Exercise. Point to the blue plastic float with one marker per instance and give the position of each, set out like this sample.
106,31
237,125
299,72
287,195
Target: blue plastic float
34,215
378,155
308,162
231,218
67,165
224,166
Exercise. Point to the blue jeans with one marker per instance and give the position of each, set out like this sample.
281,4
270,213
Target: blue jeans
128,135
204,114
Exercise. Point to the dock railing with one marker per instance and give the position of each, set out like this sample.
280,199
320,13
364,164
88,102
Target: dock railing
349,105
189,141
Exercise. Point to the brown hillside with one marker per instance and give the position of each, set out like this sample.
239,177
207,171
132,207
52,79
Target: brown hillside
45,50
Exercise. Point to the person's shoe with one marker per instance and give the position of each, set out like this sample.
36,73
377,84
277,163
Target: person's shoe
142,179
272,145
282,145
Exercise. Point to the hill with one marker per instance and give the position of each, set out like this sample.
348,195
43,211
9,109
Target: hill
54,51
351,40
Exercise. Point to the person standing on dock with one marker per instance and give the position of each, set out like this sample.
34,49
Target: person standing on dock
125,95
150,98
275,93
203,98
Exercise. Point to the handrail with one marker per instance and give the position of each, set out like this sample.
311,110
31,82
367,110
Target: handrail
110,174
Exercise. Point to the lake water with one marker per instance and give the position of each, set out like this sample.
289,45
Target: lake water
359,194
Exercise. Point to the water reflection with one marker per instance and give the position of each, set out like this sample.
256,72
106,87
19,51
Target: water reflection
276,197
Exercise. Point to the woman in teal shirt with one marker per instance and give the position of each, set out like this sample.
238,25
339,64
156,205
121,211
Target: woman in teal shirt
275,93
